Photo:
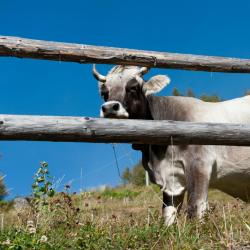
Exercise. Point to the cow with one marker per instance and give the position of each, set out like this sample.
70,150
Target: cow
179,168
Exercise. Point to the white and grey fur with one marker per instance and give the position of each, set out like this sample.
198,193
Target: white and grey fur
194,167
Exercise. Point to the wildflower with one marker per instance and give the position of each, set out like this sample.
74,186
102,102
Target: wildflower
6,242
44,238
31,227
32,230
30,223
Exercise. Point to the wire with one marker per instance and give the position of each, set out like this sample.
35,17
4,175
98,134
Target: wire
116,161
172,166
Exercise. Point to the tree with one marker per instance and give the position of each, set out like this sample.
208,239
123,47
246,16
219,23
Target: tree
203,97
138,175
176,92
126,176
190,93
134,176
210,98
3,191
247,92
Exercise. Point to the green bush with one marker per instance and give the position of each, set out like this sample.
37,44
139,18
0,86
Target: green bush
3,191
134,176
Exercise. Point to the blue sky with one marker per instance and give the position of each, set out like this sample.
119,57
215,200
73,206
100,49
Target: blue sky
56,88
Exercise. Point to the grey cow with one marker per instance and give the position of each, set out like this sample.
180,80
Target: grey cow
177,169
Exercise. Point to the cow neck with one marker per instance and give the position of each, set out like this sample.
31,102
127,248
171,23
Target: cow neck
148,115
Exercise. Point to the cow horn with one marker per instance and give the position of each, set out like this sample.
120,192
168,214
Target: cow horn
144,70
97,75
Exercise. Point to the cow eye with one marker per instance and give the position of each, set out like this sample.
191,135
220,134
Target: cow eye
132,89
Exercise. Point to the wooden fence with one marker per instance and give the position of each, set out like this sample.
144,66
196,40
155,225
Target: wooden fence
84,129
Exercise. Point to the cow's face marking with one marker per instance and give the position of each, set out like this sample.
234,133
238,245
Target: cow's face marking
125,92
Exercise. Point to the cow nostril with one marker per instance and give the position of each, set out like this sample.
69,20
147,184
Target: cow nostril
116,107
103,109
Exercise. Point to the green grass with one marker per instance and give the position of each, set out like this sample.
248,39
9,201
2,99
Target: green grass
120,193
125,218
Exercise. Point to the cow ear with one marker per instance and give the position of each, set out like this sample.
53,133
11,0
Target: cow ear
155,84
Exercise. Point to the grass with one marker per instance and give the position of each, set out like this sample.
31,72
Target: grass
124,218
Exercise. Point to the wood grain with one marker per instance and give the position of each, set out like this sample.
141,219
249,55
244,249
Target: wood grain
81,53
85,129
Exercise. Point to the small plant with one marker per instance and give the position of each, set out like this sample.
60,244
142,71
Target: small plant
42,186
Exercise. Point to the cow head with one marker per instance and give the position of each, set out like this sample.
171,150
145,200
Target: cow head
125,91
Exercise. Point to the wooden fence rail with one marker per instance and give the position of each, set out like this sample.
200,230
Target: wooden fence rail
37,49
84,129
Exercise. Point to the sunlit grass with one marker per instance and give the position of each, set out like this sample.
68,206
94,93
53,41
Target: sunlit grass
125,218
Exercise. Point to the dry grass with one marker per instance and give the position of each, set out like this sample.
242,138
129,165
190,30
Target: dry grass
126,218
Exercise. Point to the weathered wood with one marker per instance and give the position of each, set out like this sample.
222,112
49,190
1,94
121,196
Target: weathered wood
37,49
84,129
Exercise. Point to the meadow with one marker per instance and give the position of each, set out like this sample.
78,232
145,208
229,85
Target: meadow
125,217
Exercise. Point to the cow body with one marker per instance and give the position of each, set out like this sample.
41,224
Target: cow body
191,168
195,167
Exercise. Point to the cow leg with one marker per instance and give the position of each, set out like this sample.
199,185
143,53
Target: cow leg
171,205
198,176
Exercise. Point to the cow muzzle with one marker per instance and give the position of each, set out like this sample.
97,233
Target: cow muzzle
113,109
